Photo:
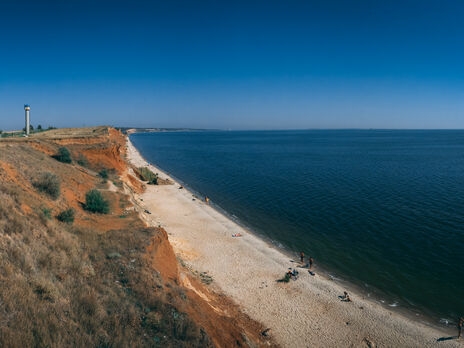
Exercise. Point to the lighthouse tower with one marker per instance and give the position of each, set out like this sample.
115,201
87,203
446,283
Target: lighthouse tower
27,108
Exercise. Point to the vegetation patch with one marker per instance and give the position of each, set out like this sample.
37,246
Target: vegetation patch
73,287
103,174
206,278
48,183
147,175
66,216
82,161
95,203
45,214
63,155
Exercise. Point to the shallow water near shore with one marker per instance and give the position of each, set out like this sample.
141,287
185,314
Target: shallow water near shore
380,209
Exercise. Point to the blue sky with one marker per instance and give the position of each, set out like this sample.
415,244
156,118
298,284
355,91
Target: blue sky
233,64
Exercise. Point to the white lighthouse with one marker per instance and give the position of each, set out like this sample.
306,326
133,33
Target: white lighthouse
27,108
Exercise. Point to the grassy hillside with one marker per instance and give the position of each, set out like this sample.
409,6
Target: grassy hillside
77,284
91,281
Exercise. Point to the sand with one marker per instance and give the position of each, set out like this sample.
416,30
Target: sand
307,312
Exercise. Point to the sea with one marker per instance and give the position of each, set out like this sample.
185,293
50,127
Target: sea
379,210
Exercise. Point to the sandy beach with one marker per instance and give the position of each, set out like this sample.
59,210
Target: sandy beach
307,312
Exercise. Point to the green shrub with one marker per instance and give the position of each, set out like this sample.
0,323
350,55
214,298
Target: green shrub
95,203
82,161
118,183
66,216
147,175
63,155
48,183
103,174
45,214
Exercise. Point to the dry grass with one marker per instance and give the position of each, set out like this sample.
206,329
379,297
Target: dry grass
59,287
48,183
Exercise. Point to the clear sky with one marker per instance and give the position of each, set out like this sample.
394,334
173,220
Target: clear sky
233,64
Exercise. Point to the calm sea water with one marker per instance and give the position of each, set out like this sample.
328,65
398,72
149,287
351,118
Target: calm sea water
380,209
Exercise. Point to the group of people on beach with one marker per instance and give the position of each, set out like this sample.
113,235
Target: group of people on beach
293,273
345,297
309,265
310,260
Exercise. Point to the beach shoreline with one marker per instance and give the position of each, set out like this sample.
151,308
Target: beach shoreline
305,312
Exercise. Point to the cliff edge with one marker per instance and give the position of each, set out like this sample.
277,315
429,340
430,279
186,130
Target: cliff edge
73,276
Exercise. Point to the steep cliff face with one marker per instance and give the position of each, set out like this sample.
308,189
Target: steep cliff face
162,257
101,279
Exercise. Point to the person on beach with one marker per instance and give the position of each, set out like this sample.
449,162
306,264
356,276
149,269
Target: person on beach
302,257
346,297
310,262
207,199
460,323
288,276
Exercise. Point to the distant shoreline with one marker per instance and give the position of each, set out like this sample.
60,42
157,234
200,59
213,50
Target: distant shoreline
128,130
